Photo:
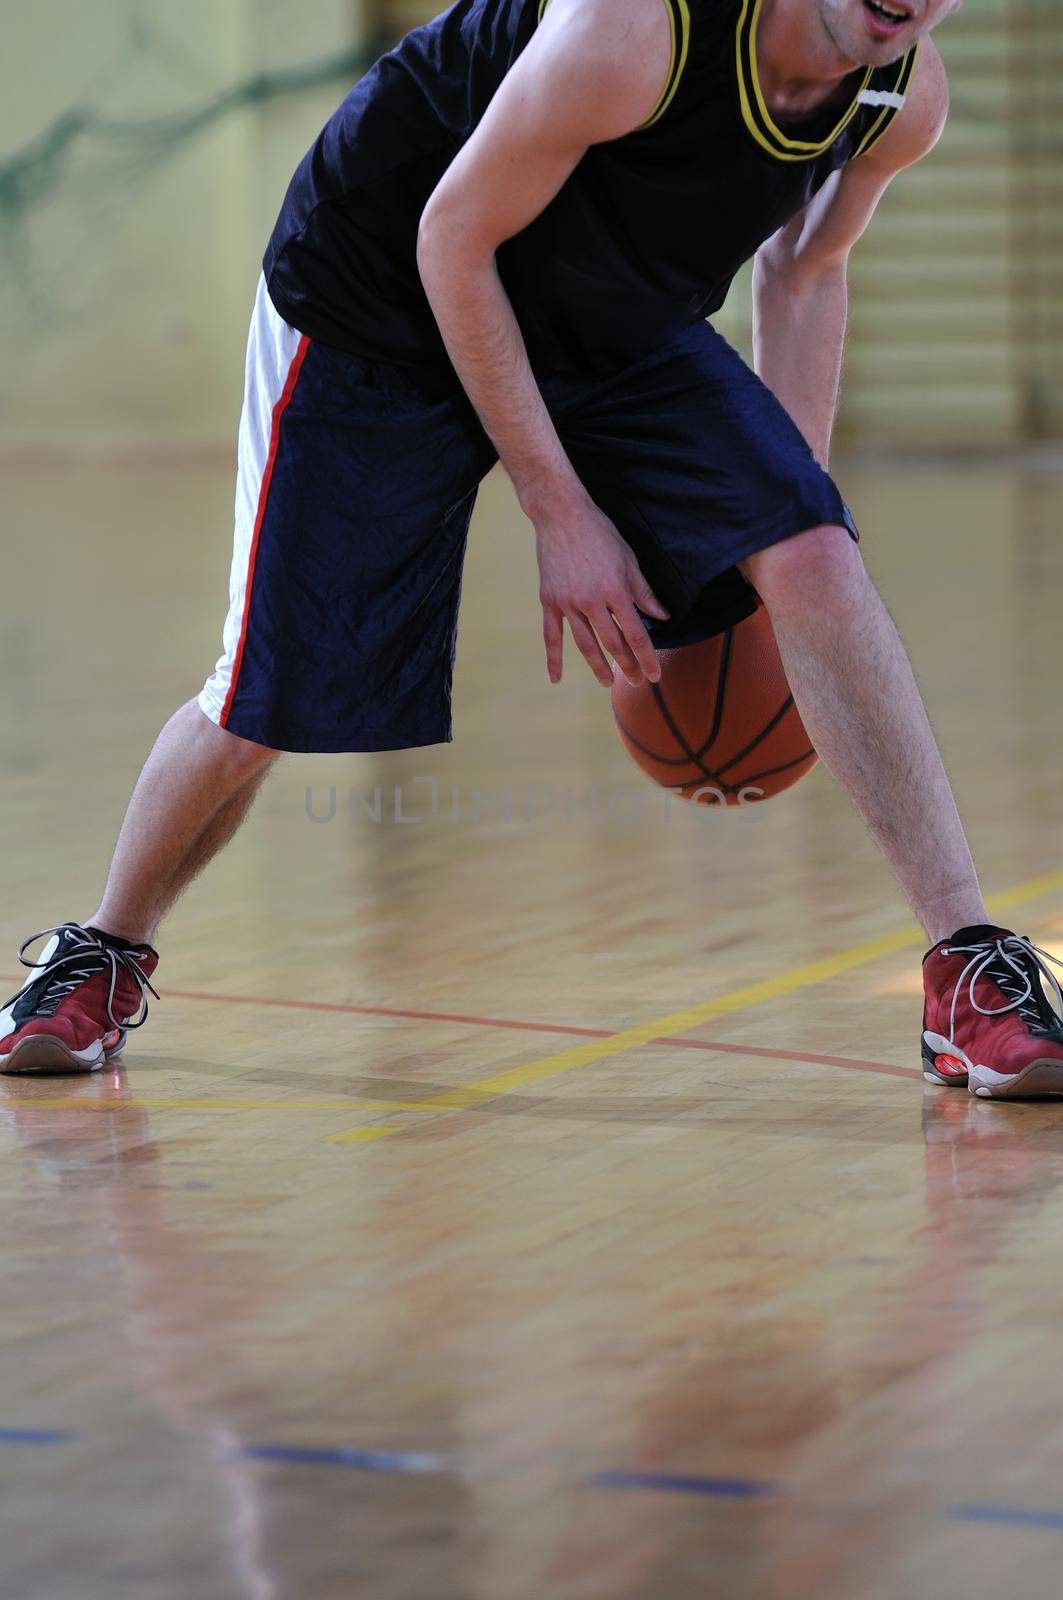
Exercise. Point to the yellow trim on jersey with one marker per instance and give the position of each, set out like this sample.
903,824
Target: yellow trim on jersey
678,13
882,122
762,127
679,29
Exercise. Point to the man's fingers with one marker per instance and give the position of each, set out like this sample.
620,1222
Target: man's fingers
638,640
587,643
645,598
612,639
553,639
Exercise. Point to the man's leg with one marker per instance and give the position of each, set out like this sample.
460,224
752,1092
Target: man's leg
88,984
196,787
696,463
988,1020
854,687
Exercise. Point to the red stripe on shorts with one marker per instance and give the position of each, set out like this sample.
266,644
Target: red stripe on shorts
263,495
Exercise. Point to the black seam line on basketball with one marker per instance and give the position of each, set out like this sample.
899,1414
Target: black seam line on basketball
723,786
721,690
681,761
769,772
696,756
763,734
716,780
663,761
681,741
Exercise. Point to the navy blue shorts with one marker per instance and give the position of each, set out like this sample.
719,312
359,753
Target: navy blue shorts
355,488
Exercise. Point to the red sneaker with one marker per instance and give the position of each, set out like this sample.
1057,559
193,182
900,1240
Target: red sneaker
988,1022
77,1005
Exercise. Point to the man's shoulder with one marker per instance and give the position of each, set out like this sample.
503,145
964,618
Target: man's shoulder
918,127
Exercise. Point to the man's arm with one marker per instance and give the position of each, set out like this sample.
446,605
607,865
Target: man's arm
799,279
593,71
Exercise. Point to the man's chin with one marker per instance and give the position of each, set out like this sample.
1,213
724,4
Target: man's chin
892,54
880,55
861,50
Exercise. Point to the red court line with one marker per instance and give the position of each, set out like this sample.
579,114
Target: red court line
883,1067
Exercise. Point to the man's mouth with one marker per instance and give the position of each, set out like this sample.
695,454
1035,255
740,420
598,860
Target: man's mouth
886,18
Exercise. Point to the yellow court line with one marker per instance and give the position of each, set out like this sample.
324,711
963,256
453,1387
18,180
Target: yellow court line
366,1135
754,994
176,1103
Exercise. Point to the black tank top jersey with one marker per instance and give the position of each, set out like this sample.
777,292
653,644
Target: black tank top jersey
643,239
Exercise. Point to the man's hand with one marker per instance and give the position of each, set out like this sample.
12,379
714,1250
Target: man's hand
588,575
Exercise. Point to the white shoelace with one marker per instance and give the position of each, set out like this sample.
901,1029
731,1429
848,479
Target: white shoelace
81,962
990,951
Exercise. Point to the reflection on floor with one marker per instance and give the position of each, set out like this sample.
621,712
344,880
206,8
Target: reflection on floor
383,1266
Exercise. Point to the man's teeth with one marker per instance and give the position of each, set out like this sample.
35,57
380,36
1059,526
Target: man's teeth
887,12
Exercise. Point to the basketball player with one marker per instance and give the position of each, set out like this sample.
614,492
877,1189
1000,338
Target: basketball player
506,243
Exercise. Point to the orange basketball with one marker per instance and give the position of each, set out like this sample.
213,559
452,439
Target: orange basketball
721,727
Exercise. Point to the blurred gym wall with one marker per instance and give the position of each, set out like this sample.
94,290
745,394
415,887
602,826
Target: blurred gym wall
956,332
144,150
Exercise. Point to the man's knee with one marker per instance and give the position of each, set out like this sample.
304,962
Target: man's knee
809,563
236,754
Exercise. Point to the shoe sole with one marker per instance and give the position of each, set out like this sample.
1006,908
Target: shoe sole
46,1057
1039,1080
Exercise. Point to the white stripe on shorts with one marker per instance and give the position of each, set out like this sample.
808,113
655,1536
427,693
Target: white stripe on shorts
272,347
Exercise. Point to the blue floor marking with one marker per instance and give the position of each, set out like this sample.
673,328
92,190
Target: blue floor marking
1005,1514
688,1483
367,1460
418,1461
760,1489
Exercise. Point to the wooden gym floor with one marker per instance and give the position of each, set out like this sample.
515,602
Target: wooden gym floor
543,1205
